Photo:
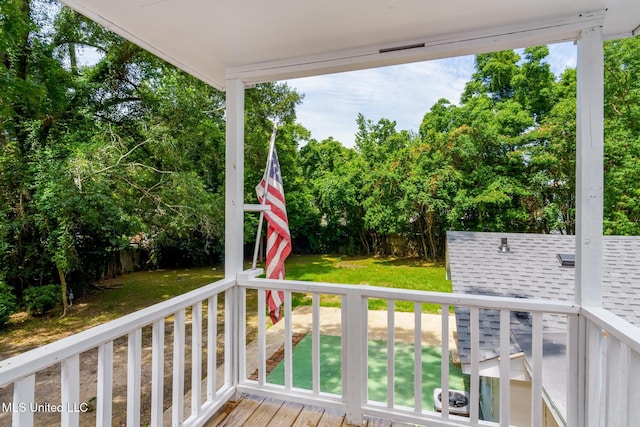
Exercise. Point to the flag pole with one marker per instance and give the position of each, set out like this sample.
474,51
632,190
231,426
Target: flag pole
265,177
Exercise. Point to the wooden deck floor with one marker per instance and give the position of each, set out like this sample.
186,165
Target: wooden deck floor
259,411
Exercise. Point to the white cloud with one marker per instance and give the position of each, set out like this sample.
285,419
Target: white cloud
402,93
562,56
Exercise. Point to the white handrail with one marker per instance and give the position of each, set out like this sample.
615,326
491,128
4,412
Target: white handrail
466,300
626,332
40,358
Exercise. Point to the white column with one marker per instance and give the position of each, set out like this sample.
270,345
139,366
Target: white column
234,223
234,179
589,168
582,398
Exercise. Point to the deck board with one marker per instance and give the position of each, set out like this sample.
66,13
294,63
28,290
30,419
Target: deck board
265,413
239,414
378,422
260,411
331,418
286,415
309,417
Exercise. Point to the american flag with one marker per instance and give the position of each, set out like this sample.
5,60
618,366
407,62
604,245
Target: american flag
278,236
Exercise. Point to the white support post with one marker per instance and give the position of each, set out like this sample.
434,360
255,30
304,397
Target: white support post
234,178
589,212
234,219
589,168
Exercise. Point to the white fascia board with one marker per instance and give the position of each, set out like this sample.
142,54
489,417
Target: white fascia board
487,40
491,368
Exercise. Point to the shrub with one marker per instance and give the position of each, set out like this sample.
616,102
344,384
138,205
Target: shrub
39,300
7,304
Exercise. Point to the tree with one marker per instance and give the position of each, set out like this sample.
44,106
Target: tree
335,181
95,154
622,137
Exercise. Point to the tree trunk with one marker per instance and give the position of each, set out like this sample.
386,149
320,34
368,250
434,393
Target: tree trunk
63,283
432,242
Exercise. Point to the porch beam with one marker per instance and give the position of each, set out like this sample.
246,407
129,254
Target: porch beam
589,168
556,30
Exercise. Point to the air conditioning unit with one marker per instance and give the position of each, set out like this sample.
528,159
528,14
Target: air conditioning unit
458,402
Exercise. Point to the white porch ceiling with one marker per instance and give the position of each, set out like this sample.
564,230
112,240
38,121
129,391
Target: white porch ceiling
256,40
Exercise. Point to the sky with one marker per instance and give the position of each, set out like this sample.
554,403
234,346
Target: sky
402,93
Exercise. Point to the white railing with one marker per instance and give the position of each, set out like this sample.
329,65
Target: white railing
206,395
355,380
612,370
603,358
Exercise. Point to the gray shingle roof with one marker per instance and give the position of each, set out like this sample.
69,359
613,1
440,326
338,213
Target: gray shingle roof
531,268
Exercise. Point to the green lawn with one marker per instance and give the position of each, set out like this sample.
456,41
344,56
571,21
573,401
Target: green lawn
130,292
109,300
330,377
404,273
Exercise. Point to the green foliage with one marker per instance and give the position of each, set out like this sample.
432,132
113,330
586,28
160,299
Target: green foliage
92,155
7,303
39,300
502,160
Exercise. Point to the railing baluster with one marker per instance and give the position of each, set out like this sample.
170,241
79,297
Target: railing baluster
417,357
177,409
354,308
391,360
633,387
262,351
134,367
70,383
242,335
23,397
615,383
475,365
157,372
105,385
444,367
576,393
505,366
344,301
595,360
364,349
536,376
196,359
288,338
230,377
212,346
315,343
